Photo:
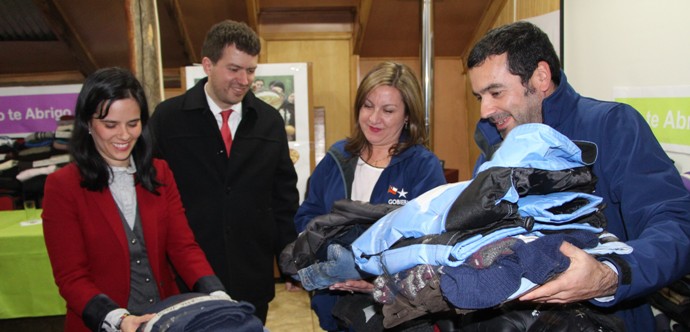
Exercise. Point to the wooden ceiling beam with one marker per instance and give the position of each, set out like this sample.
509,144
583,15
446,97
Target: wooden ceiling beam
360,28
253,14
51,78
144,44
493,10
309,16
66,33
300,4
177,15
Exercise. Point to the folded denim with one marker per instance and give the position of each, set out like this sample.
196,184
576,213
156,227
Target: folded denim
339,267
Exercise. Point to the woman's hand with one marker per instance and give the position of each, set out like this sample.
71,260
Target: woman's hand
361,286
131,323
292,287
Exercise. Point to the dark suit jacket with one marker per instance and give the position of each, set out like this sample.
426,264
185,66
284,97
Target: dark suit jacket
88,248
240,208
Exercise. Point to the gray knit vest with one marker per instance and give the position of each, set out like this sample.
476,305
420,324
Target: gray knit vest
143,291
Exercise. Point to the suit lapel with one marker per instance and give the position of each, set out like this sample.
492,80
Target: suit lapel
110,213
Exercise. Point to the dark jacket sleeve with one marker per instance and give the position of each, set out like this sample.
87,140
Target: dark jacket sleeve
314,203
648,205
285,198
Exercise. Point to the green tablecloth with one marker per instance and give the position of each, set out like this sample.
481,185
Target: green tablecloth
27,287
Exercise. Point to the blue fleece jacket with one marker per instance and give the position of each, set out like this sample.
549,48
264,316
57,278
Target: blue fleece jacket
409,174
646,203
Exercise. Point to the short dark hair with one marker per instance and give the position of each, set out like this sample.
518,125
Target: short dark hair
524,43
98,93
229,32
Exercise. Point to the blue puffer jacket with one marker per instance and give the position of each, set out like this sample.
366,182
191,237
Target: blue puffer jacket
646,203
527,146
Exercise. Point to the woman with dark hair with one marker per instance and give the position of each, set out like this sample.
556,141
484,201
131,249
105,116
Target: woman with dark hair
113,221
385,161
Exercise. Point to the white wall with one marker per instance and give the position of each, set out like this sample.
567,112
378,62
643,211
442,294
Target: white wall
627,43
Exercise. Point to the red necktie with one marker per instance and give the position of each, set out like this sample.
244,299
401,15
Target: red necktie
225,130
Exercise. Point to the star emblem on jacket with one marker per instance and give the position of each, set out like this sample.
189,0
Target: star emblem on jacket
401,198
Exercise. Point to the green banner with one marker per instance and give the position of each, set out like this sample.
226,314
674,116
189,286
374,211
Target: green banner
669,117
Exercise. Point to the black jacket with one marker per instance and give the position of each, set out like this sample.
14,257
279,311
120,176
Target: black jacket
342,225
241,208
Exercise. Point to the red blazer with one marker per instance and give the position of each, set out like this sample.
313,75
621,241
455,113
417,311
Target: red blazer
87,245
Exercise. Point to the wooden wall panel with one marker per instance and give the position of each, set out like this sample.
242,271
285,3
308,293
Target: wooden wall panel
330,60
450,115
529,8
366,64
507,15
472,119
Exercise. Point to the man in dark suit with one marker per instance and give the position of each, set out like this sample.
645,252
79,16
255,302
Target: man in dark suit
235,176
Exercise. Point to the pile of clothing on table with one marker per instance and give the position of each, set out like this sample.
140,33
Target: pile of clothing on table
476,244
25,162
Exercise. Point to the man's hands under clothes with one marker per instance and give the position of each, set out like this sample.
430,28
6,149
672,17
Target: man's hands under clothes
585,279
361,286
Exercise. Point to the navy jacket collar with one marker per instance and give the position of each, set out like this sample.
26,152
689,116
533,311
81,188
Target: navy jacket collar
564,97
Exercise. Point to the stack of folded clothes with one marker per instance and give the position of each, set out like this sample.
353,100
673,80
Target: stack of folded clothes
25,162
63,132
10,187
479,244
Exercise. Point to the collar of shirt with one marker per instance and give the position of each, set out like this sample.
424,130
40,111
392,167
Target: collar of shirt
122,188
235,116
131,169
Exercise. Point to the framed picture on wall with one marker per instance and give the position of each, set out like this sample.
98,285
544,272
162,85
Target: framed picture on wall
191,75
285,86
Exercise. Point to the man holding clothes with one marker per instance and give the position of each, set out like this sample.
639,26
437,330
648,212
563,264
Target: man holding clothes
515,74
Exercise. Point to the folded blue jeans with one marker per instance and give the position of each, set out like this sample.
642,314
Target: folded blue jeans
339,267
